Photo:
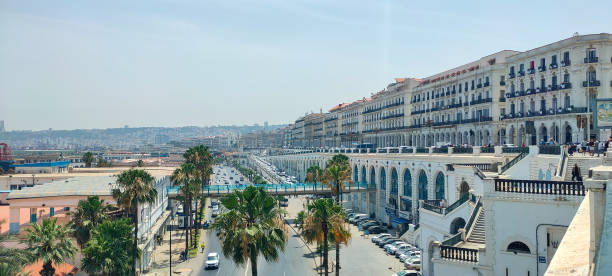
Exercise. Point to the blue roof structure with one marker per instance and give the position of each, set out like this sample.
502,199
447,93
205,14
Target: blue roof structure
61,164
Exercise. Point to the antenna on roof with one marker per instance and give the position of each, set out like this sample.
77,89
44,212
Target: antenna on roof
576,34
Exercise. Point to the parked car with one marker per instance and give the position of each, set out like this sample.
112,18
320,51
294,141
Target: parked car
407,273
370,226
212,260
376,230
367,224
390,248
398,248
413,264
405,250
389,241
380,236
359,219
409,255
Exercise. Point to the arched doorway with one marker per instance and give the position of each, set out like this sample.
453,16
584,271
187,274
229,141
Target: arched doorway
464,189
383,179
363,174
568,134
372,178
543,134
439,187
422,185
394,181
456,224
407,183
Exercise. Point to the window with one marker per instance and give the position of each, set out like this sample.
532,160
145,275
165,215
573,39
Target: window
522,107
518,247
512,108
531,64
532,106
542,83
566,78
553,59
511,70
591,75
554,80
591,54
531,84
521,67
566,59
543,62
554,103
567,101
543,105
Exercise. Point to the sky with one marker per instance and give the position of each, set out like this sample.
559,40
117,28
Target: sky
105,64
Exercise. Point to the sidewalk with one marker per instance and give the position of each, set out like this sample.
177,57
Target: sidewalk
160,265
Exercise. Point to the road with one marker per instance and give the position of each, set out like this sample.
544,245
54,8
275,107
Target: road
293,261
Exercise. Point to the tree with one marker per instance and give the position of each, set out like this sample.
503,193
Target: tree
102,163
140,163
51,243
299,220
252,226
88,158
12,260
88,215
106,250
325,222
135,187
201,158
186,177
337,172
313,174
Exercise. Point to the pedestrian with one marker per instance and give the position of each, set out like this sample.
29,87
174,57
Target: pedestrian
600,147
575,172
583,146
202,246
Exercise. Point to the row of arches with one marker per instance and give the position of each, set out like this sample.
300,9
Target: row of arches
471,137
407,185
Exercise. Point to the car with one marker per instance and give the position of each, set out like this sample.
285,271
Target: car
404,250
398,247
380,236
407,273
359,219
413,263
408,255
376,230
365,225
368,227
389,241
382,240
390,248
212,260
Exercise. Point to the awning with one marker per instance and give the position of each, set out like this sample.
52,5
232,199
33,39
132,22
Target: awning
400,220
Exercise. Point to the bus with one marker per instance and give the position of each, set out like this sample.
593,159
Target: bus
284,202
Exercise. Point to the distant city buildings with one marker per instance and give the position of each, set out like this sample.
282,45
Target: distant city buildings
2,126
161,139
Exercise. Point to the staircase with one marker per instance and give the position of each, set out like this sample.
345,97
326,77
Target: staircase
477,235
584,163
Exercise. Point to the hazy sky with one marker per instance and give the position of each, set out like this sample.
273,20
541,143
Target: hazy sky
99,64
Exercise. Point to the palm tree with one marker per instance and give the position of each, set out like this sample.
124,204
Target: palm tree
105,252
12,260
337,172
135,187
313,175
140,163
51,243
325,222
186,177
88,158
88,215
203,160
252,226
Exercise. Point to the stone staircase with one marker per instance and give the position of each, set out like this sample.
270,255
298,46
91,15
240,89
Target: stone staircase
584,163
477,235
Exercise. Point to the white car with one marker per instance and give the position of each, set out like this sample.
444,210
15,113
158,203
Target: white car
413,263
407,273
212,260
393,245
380,236
409,255
401,249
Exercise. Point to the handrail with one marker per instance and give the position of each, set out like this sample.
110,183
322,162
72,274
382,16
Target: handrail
453,240
459,253
432,205
513,161
543,187
561,169
472,219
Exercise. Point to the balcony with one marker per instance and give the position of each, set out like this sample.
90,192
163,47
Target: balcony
565,85
479,101
486,84
553,87
479,85
592,83
521,73
553,66
541,89
502,99
565,63
591,59
529,91
459,254
542,68
530,71
511,76
503,83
